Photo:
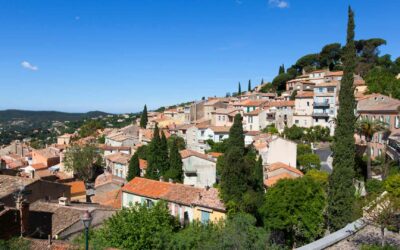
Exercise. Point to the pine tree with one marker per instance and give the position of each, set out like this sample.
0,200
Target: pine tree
341,189
134,167
257,176
144,118
249,86
153,157
239,89
262,81
175,170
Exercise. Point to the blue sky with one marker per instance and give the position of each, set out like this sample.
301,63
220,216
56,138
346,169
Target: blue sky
116,56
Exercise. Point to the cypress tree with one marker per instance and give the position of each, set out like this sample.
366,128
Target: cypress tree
134,167
239,89
175,171
236,137
249,86
341,189
262,81
164,161
234,170
281,69
153,157
144,118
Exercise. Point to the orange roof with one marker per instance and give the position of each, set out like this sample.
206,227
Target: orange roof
305,94
252,103
77,187
215,154
334,73
142,164
110,199
187,153
281,103
39,166
278,165
175,192
220,129
146,187
253,113
273,180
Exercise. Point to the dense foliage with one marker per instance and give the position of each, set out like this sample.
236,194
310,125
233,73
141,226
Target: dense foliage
294,211
83,161
137,227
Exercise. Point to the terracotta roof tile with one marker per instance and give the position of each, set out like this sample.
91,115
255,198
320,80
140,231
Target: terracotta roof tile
187,153
77,187
278,165
273,180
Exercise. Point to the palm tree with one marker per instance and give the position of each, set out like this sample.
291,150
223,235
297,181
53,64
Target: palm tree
367,128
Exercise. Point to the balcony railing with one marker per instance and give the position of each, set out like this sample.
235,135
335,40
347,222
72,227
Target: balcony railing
321,104
394,144
322,114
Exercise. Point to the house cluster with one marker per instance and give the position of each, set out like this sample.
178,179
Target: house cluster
309,100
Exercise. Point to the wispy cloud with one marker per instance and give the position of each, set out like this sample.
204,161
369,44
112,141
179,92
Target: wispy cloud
281,4
29,66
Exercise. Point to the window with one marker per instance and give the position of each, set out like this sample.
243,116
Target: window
202,133
205,217
149,203
296,121
379,152
219,118
308,104
397,122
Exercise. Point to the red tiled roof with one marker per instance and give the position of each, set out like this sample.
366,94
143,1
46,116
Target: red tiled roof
334,73
220,129
39,166
215,154
77,187
305,94
252,103
278,165
187,153
119,157
281,104
147,188
273,180
175,192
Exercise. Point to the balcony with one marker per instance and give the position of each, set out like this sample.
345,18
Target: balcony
393,149
321,104
321,114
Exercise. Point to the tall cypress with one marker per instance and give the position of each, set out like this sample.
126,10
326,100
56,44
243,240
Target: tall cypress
234,172
144,118
164,159
239,89
175,171
153,156
236,137
341,189
249,86
134,167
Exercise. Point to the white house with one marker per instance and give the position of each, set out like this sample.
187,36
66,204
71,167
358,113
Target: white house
199,169
274,149
118,164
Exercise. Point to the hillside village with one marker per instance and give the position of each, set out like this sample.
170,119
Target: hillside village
253,170
200,125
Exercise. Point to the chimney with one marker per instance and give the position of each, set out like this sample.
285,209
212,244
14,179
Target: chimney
161,178
207,187
24,215
170,180
32,174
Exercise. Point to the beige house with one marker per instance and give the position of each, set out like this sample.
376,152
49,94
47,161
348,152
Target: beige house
211,105
64,139
303,109
118,164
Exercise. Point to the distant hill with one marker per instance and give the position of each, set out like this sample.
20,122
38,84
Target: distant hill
38,116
